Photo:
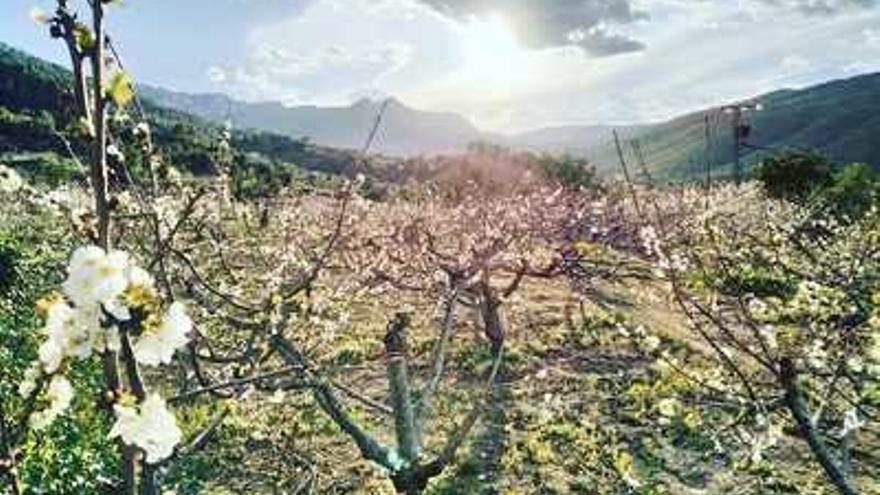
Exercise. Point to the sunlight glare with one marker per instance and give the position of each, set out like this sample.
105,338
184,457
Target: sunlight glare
493,59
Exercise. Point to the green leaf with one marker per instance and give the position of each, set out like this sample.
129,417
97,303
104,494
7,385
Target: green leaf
121,89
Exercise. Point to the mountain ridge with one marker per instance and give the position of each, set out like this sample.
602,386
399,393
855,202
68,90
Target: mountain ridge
404,130
839,117
815,117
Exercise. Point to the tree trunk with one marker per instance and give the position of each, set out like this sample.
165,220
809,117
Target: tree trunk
149,481
494,329
799,409
398,381
102,212
80,82
99,148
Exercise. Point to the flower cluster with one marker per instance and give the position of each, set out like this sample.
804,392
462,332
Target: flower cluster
60,395
150,426
10,180
653,245
103,293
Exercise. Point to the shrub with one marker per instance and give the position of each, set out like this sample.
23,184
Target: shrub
794,175
568,171
46,168
852,191
255,175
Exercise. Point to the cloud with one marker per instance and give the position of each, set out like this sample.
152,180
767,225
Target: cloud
588,24
822,7
518,64
601,41
336,48
217,75
794,64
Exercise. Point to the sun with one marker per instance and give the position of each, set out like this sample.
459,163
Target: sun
493,60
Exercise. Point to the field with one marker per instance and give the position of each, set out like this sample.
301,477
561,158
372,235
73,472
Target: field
585,399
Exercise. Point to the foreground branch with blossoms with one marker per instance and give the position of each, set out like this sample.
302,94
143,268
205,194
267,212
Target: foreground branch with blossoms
107,299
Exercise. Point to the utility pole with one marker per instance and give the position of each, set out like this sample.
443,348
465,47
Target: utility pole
708,154
740,132
737,135
632,187
643,167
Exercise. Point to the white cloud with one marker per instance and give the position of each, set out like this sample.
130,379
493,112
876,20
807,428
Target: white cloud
697,53
217,75
336,48
795,64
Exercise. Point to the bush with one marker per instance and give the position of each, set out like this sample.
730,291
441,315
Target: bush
568,171
795,175
256,176
46,168
756,281
852,191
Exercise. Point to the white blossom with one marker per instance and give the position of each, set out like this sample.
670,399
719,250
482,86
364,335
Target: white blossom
152,427
139,277
60,395
73,330
95,276
158,345
651,343
10,181
115,152
50,356
851,422
142,129
29,383
70,332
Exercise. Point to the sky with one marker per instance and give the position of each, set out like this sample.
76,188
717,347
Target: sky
507,65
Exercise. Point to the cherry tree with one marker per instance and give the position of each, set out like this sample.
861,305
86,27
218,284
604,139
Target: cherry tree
785,298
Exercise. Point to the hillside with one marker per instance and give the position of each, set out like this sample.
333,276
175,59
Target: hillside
840,118
405,131
573,139
35,112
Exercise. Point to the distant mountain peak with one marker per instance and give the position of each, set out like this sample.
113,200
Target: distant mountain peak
405,130
373,102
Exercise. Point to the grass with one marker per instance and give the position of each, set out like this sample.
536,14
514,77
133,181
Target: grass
570,405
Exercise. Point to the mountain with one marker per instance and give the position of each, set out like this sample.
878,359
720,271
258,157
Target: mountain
839,118
404,130
572,139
